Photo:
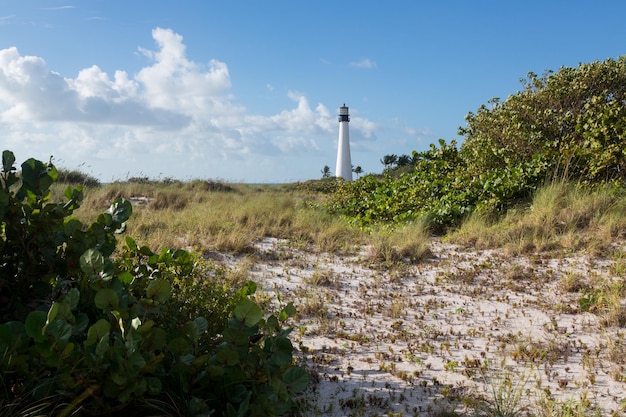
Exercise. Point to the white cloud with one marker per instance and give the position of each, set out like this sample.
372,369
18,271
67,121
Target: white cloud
175,83
364,63
366,127
58,8
172,109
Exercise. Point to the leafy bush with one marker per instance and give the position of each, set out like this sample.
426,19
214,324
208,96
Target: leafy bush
87,329
75,177
565,125
574,119
440,189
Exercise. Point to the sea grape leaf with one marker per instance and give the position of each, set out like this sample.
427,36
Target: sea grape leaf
159,290
106,298
296,379
248,312
96,332
35,322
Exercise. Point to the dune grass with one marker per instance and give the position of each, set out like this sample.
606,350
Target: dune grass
561,216
208,216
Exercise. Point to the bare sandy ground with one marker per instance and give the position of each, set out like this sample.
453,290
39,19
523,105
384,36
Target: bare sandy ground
440,336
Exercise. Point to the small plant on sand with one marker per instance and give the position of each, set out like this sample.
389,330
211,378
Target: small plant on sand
505,393
549,407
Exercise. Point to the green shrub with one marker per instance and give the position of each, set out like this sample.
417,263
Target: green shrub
86,329
439,189
75,177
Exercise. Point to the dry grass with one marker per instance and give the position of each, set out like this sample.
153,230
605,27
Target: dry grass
561,216
409,242
208,216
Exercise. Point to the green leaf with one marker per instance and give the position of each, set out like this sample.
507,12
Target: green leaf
60,330
136,362
106,298
34,325
8,160
179,346
132,245
155,339
126,278
192,331
92,262
236,337
119,378
290,310
82,321
159,290
102,347
195,328
248,312
119,211
146,251
273,323
282,352
71,226
98,331
202,323
37,177
228,357
69,348
72,298
296,379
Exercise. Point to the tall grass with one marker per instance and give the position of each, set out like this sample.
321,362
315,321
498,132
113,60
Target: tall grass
408,242
209,216
560,216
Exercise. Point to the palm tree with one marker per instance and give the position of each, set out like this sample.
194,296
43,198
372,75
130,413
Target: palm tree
404,160
358,170
389,160
326,171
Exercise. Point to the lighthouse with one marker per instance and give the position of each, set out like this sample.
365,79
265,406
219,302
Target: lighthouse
344,164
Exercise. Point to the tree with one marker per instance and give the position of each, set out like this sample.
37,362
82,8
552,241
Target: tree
572,122
358,170
389,160
404,160
326,171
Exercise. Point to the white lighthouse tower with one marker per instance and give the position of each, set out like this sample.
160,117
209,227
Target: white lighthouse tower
344,164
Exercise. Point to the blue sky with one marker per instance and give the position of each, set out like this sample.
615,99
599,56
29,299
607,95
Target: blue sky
248,91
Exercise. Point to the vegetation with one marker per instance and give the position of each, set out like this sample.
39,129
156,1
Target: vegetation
105,317
76,177
87,329
563,126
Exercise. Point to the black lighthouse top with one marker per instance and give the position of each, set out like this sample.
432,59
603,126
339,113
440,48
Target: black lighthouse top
343,114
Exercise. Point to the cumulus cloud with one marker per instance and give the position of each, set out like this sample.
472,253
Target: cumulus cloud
172,106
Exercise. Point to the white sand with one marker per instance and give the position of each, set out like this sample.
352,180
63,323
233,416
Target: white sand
402,343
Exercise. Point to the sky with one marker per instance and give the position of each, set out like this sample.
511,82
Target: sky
249,91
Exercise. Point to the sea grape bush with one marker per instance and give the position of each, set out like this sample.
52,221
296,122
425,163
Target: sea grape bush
440,188
569,125
575,119
91,329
